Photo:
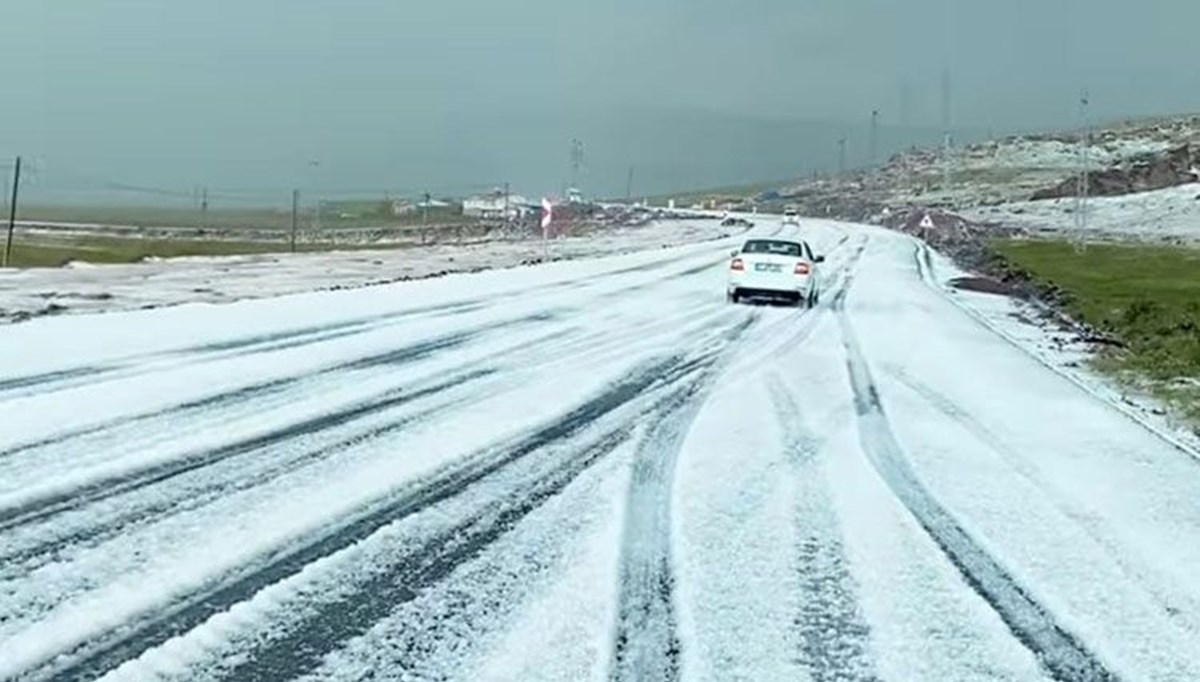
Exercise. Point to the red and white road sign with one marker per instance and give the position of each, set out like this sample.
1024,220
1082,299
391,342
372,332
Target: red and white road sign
547,215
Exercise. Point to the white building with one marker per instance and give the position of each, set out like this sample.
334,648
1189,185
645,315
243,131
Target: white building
433,203
493,205
401,207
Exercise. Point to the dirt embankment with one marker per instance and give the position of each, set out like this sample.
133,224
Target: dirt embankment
1142,174
967,244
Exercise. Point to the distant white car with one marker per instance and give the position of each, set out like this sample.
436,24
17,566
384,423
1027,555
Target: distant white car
791,217
774,270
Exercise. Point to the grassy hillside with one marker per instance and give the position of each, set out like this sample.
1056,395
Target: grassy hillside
1146,296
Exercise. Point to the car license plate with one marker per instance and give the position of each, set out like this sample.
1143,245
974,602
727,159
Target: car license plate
767,267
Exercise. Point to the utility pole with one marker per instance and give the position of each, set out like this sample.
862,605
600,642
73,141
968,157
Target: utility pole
425,216
629,187
1081,201
947,137
12,212
204,208
576,161
874,135
506,208
841,156
295,216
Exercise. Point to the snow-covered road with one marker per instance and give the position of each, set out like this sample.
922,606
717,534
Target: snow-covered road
585,470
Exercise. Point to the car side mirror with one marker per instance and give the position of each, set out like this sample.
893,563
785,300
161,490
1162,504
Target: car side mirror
819,259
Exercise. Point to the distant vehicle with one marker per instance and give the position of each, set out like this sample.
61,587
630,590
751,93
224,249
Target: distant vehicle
733,221
774,270
791,217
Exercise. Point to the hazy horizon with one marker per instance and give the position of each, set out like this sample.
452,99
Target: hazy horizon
143,101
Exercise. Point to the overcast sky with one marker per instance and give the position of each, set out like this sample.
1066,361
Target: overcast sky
402,94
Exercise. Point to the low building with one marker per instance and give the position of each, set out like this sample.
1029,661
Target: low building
494,205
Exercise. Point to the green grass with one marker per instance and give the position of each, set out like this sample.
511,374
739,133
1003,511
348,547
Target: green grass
160,216
367,213
1146,296
104,249
116,250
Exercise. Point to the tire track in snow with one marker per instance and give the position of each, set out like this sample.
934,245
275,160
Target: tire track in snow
646,645
257,393
135,365
135,479
57,380
1118,552
330,625
247,394
295,338
834,637
62,375
106,652
687,273
135,513
74,497
1062,654
186,496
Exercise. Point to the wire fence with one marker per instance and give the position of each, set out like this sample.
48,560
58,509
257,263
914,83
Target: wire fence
64,215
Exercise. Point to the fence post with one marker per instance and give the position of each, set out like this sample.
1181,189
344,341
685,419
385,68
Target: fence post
12,213
295,216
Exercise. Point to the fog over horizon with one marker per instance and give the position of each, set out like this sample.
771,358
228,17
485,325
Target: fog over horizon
140,100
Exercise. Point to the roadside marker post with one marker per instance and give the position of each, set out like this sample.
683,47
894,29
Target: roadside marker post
547,219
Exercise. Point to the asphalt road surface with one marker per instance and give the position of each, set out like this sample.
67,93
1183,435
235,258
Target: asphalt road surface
586,470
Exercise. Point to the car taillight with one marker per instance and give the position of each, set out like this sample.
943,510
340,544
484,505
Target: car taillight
802,268
737,264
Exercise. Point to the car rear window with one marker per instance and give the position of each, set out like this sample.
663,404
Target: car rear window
773,247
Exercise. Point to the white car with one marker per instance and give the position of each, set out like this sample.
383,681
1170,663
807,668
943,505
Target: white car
774,270
791,217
